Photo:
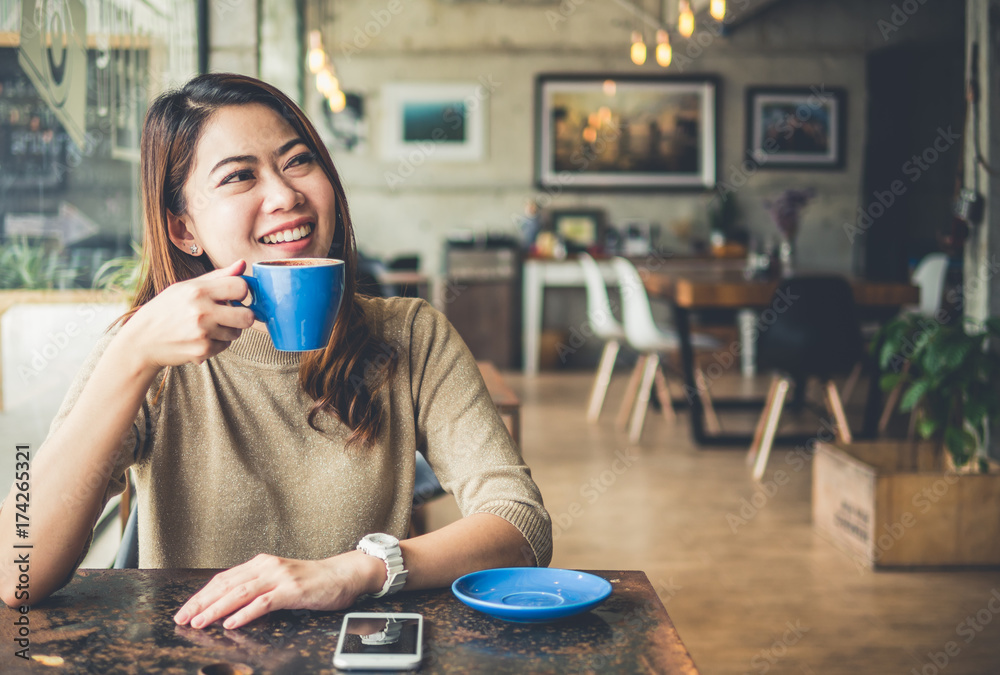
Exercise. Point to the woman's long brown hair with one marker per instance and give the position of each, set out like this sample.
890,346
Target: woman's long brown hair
346,378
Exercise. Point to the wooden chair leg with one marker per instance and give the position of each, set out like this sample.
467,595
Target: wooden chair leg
836,409
758,434
712,424
642,404
125,505
852,381
770,427
631,390
603,379
663,392
892,400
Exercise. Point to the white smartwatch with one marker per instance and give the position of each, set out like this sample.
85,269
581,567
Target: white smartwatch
386,547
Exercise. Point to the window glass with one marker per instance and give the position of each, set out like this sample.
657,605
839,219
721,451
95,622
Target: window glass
75,80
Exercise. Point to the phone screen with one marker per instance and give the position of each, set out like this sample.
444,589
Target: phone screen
382,635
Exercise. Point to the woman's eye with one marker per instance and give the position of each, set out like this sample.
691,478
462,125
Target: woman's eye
238,176
300,159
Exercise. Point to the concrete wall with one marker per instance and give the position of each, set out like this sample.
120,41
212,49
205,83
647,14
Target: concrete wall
982,251
794,42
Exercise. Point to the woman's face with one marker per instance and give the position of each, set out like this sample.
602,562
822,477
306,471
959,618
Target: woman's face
255,191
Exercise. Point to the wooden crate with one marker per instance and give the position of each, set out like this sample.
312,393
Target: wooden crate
892,504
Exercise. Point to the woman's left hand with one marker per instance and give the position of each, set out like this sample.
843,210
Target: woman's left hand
267,583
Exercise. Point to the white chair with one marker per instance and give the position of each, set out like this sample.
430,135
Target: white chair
605,327
929,275
651,341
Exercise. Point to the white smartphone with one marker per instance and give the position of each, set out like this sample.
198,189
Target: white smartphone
380,641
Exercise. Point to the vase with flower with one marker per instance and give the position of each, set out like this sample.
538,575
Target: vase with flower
785,210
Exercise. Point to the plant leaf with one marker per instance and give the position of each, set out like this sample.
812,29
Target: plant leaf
889,380
926,426
913,395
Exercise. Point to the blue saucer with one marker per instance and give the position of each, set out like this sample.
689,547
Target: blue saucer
531,594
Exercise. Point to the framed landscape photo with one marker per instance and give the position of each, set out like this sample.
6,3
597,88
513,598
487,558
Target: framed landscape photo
433,122
802,128
625,132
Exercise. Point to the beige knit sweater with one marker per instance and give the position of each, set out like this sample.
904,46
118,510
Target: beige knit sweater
227,466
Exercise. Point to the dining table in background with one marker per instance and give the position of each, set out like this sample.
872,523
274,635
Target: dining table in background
542,273
115,622
695,290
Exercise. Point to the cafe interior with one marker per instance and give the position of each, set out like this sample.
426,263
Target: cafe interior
704,252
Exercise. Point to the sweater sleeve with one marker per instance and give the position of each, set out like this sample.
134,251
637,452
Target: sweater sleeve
130,448
462,436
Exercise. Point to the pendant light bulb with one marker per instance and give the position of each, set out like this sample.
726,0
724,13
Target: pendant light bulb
638,51
326,83
316,58
685,22
718,9
337,101
664,53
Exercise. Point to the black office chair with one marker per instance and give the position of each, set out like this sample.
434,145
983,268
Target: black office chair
425,488
814,332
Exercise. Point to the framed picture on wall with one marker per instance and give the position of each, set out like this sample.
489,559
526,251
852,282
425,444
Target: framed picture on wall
580,228
800,127
423,122
617,132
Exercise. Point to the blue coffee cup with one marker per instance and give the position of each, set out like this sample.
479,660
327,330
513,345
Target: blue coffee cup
297,299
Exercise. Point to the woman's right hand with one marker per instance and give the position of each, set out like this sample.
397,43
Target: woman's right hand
190,321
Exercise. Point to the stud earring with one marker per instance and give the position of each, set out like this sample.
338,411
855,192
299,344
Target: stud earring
194,249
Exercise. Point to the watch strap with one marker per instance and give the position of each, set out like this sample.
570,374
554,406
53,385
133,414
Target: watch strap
393,559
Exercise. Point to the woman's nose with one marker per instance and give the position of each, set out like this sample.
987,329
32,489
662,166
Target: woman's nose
281,195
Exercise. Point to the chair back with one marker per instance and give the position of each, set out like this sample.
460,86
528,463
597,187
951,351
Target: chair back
811,328
602,319
929,275
637,316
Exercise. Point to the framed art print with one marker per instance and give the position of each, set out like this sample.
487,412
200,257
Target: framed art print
801,128
614,132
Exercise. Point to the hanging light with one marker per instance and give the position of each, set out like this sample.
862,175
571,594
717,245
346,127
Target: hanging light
326,83
685,22
337,101
664,53
718,9
638,51
316,58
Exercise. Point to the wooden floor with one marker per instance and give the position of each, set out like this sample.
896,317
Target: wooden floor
767,596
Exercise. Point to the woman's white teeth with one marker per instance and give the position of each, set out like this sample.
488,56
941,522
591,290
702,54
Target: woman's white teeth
293,234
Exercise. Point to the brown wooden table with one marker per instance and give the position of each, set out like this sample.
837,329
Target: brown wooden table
713,290
504,398
120,622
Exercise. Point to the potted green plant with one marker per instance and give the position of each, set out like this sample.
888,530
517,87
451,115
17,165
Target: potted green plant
949,376
32,266
911,503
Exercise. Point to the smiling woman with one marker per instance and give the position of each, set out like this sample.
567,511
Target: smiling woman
293,470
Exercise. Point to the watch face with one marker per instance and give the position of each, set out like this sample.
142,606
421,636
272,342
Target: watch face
382,539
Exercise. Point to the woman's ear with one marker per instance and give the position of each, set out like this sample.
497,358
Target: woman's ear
181,235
